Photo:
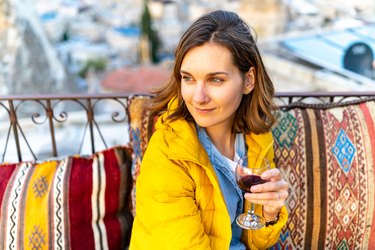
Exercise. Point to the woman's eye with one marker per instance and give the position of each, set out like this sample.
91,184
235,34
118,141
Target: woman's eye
216,80
186,78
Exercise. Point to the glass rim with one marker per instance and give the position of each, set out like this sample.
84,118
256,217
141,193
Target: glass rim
267,164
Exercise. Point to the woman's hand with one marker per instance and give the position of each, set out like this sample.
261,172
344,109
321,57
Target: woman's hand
271,195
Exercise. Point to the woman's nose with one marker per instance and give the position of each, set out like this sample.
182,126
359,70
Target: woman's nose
200,93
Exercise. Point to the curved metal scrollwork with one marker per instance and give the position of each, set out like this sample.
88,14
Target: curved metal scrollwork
63,115
49,118
47,113
34,115
115,114
320,100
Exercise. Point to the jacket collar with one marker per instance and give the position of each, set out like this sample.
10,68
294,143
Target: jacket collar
185,145
260,144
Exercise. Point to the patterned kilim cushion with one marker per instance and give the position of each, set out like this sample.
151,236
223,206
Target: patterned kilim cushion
76,203
141,126
328,156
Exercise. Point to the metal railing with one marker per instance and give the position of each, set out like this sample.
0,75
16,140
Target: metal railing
64,115
50,113
322,100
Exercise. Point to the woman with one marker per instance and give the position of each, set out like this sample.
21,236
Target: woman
216,107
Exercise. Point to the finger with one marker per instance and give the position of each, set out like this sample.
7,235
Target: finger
272,175
267,197
270,186
282,195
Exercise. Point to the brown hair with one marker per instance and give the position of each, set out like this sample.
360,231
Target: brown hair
226,29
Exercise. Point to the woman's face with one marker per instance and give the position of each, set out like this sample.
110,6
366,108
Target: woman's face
212,86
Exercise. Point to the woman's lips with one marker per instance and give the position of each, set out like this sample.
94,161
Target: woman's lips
203,110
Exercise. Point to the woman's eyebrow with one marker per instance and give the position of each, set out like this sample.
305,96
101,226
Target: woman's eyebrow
184,72
210,74
218,73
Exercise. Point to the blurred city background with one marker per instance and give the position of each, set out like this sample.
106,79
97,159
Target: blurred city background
111,46
94,46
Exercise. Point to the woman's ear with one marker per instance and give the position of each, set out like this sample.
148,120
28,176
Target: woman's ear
249,81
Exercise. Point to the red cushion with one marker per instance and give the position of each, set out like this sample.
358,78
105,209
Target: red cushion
75,203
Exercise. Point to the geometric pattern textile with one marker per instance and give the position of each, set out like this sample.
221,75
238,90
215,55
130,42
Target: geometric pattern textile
344,151
329,165
75,203
140,130
286,130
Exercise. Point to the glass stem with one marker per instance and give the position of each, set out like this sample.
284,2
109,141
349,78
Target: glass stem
251,211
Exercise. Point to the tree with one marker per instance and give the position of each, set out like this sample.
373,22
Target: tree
151,34
98,64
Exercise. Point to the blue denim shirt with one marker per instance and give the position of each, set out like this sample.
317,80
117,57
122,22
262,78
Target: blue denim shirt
232,193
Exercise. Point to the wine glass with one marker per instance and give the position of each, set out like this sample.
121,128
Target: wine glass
246,177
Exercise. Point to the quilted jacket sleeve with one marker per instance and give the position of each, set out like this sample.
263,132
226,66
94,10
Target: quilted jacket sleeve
167,215
265,237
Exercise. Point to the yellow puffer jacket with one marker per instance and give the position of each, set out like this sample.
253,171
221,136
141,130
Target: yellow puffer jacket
179,204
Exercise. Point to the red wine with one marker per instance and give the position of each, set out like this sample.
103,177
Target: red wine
246,182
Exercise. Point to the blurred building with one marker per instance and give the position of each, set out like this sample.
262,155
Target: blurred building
87,29
125,42
28,60
267,17
326,60
138,79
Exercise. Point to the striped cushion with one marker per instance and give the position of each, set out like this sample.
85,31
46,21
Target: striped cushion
76,203
328,158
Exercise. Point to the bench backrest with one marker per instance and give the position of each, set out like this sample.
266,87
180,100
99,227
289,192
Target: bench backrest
326,152
324,146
